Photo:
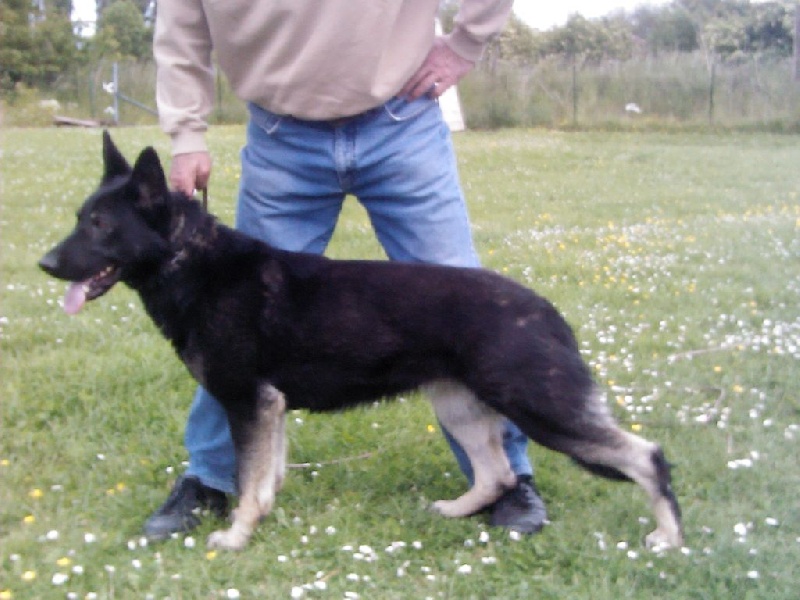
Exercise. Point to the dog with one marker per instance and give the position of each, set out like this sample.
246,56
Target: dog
266,331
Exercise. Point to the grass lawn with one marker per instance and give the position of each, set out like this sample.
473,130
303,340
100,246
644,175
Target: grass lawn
675,257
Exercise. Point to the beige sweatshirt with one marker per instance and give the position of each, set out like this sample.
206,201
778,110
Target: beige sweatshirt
313,59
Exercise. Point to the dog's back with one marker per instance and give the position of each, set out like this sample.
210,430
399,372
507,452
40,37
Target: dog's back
265,330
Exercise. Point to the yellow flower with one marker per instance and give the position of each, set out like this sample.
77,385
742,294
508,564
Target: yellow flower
36,493
717,369
636,427
28,519
29,575
6,595
738,389
64,561
431,429
5,462
211,554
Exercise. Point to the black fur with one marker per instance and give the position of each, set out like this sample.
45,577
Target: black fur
664,475
328,334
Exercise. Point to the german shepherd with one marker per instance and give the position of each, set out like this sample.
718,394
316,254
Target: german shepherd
266,331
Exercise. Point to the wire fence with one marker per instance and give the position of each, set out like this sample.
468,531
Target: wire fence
676,90
670,90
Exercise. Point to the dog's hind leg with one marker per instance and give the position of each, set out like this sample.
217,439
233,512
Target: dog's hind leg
479,431
260,453
623,455
584,429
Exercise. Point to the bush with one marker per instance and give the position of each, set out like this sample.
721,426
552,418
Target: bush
26,107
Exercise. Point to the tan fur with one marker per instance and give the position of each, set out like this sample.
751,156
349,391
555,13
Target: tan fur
261,471
479,431
359,329
632,455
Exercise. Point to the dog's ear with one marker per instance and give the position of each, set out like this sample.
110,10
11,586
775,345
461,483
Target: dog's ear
149,177
115,164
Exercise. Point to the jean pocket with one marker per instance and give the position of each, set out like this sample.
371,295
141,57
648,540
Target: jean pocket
266,120
400,109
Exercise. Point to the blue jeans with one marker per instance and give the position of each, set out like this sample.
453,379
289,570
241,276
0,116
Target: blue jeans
398,160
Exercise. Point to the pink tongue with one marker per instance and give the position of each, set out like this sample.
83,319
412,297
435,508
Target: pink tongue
74,299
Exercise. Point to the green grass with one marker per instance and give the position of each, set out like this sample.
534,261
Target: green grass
675,257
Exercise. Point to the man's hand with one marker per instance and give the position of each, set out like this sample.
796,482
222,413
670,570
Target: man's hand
190,172
441,69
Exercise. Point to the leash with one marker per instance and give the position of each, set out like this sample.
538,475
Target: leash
205,199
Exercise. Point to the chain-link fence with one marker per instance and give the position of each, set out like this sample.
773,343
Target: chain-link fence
670,90
108,93
676,90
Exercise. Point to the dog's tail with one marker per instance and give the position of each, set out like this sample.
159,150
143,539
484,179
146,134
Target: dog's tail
584,429
605,471
580,426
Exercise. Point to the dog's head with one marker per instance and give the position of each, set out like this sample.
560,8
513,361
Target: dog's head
120,230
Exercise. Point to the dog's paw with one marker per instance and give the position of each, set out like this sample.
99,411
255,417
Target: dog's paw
660,539
227,539
446,508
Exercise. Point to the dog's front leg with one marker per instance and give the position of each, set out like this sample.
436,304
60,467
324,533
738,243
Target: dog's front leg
260,449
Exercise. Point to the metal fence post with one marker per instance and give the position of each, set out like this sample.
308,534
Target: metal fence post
115,83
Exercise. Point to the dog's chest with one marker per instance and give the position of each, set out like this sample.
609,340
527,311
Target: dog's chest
193,359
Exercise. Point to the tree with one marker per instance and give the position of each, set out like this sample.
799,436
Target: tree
64,7
664,29
770,28
738,28
102,5
590,40
35,45
122,32
517,44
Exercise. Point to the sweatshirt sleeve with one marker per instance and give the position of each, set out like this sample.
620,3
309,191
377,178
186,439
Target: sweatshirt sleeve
477,23
184,74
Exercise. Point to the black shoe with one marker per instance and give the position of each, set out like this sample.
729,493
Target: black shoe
181,512
520,508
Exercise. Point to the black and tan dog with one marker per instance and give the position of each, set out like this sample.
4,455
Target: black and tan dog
265,331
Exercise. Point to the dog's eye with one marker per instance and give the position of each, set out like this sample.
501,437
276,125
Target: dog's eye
99,222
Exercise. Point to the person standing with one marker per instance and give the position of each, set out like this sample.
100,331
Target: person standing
342,100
